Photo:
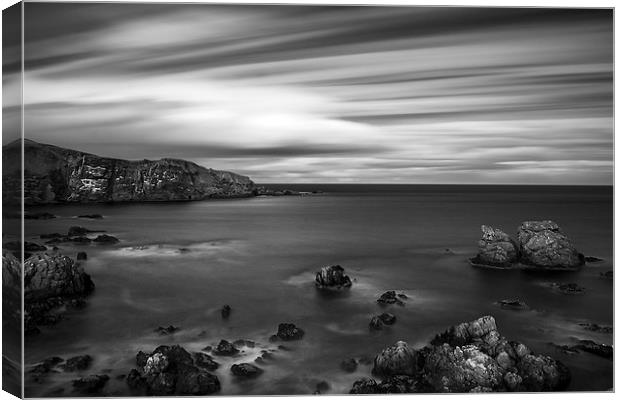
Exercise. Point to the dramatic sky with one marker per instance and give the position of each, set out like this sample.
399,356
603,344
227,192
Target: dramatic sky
327,94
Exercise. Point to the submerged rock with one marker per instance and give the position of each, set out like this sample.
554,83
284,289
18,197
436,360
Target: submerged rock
225,348
106,239
597,328
598,349
91,384
375,324
543,245
607,275
171,370
78,363
82,255
387,318
91,216
226,311
332,277
513,304
349,365
496,249
590,259
568,288
168,330
245,370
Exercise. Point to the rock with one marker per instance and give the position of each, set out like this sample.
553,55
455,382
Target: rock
245,370
597,328
461,369
590,259
91,216
106,239
205,361
375,324
54,275
287,332
46,365
82,255
365,386
398,359
169,330
568,288
390,297
513,304
225,348
78,363
91,384
598,349
542,374
349,365
78,231
387,318
332,277
40,215
607,275
171,370
543,245
468,332
58,175
322,387
226,311
496,249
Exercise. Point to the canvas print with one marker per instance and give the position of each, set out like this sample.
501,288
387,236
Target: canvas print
234,199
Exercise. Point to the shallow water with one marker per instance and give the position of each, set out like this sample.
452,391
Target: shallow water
178,263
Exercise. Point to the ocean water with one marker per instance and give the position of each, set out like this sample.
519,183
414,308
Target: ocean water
260,255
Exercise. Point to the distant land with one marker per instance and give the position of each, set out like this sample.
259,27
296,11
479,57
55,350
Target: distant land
57,175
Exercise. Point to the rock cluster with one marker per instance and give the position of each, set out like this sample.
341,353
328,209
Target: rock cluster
332,277
390,297
287,332
469,357
171,370
541,245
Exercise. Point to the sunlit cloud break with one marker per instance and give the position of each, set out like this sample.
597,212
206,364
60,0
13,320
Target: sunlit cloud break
327,94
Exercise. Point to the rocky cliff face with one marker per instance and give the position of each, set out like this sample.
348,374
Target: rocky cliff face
55,175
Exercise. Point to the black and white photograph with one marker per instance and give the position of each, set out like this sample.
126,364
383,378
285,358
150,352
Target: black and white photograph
212,198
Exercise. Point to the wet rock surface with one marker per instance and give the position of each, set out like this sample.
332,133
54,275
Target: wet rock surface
78,363
496,248
390,297
171,370
567,288
225,348
332,277
288,332
597,328
513,304
107,239
544,245
468,357
245,370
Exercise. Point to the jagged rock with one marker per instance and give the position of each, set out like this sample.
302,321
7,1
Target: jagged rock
332,277
205,361
57,175
287,332
78,363
542,374
598,349
398,359
82,255
11,273
226,311
349,365
225,348
496,249
543,245
376,324
387,318
365,386
54,275
513,304
90,384
390,297
468,332
590,259
171,370
245,370
106,239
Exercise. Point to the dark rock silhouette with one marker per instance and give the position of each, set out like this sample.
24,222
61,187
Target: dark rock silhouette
287,332
496,248
544,245
332,277
245,370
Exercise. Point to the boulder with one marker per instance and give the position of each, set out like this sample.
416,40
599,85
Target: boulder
598,349
106,239
287,332
568,288
171,370
55,275
398,359
542,374
543,245
82,256
78,231
78,363
390,297
332,277
496,249
205,361
468,332
245,370
387,318
226,311
376,324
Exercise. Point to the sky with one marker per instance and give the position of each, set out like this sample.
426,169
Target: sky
308,94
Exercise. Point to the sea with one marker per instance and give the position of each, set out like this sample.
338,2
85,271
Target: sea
178,263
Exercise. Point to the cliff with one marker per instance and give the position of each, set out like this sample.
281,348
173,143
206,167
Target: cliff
55,175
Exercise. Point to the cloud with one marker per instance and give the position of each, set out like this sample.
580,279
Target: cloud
350,94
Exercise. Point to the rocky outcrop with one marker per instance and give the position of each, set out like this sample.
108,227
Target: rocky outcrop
245,370
332,277
50,282
469,357
56,175
171,370
390,297
288,332
544,245
540,245
496,248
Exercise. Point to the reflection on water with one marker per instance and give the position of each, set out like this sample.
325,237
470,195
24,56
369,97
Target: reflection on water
179,263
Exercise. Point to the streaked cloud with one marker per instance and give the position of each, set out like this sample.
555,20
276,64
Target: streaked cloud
335,94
